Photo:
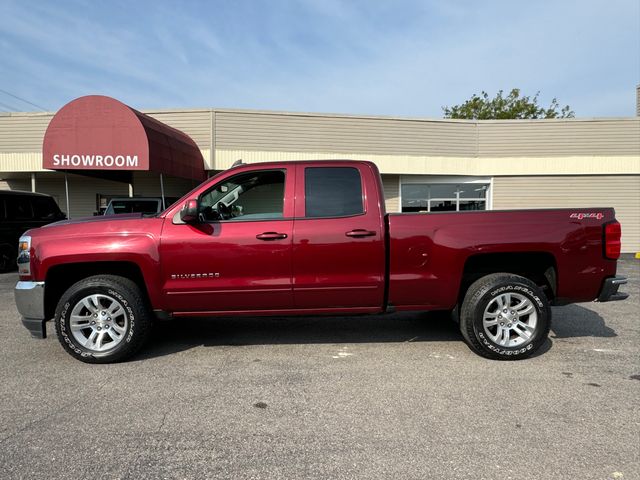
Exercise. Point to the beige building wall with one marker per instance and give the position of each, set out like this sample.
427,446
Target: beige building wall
621,192
391,186
23,132
147,184
397,145
559,137
273,131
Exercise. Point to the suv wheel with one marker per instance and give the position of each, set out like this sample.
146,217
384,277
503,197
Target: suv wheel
102,319
505,317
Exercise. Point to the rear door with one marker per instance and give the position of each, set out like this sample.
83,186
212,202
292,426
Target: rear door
338,238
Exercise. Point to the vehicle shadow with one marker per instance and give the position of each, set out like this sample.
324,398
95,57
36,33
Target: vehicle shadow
185,333
577,321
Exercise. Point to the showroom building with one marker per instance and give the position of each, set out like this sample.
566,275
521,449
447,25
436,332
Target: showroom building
427,165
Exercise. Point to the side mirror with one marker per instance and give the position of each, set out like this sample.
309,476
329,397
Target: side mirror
189,212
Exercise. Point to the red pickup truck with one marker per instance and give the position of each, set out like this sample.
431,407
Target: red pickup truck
312,238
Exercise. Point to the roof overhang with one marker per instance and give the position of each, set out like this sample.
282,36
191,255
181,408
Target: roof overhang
97,135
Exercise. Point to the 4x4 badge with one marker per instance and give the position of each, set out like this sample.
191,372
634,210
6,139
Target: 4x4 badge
580,216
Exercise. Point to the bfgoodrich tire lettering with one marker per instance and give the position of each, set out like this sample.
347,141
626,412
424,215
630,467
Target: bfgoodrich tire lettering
505,317
102,319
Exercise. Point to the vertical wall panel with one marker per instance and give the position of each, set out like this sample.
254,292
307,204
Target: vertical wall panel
275,131
391,185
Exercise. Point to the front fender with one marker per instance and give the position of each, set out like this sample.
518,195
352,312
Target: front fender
140,249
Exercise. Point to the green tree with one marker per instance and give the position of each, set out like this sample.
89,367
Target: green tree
513,106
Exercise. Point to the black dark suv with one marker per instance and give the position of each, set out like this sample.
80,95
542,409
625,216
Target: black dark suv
20,211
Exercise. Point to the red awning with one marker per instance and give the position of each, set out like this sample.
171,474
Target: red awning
97,133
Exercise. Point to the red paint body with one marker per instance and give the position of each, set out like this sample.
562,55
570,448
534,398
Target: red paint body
410,261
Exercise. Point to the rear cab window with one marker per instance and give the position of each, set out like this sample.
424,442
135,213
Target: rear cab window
333,192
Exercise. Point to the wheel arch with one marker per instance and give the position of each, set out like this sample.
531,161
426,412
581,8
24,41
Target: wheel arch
539,267
60,277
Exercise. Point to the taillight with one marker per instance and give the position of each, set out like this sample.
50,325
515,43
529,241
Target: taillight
612,244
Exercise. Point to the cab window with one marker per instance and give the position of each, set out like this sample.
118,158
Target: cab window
332,192
247,196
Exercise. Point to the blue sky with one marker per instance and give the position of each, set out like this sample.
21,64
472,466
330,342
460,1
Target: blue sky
405,58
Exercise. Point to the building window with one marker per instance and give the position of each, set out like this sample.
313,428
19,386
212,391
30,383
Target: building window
444,197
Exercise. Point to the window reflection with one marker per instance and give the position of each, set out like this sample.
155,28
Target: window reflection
444,197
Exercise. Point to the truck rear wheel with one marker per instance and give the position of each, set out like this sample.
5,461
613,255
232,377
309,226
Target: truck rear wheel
505,317
102,319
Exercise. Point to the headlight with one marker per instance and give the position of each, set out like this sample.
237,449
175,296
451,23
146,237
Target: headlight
24,257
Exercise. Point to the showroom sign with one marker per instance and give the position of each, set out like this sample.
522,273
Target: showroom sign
97,133
97,161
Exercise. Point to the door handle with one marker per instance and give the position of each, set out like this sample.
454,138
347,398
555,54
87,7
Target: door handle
271,236
359,232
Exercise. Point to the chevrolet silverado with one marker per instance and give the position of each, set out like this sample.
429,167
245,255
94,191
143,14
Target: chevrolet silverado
311,238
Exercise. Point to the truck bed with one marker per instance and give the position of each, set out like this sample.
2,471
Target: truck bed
428,253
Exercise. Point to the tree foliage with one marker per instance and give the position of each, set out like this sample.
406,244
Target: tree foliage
512,106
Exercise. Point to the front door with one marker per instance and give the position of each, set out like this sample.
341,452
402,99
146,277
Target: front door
238,257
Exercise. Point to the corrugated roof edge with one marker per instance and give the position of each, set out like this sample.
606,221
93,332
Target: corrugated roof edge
354,116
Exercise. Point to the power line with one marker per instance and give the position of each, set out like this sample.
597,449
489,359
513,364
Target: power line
23,100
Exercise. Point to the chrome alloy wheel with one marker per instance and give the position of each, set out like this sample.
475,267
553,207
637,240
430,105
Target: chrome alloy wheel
510,320
98,322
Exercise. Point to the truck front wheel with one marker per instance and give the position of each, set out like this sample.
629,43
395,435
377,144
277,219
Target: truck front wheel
505,317
102,319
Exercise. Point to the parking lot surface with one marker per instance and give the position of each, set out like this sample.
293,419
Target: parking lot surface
396,396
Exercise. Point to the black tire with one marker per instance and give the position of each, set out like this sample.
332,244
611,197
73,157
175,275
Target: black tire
477,302
136,314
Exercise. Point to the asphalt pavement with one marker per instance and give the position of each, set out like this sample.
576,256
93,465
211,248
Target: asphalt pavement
389,397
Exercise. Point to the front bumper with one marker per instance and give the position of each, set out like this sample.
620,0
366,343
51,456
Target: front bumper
30,302
609,291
